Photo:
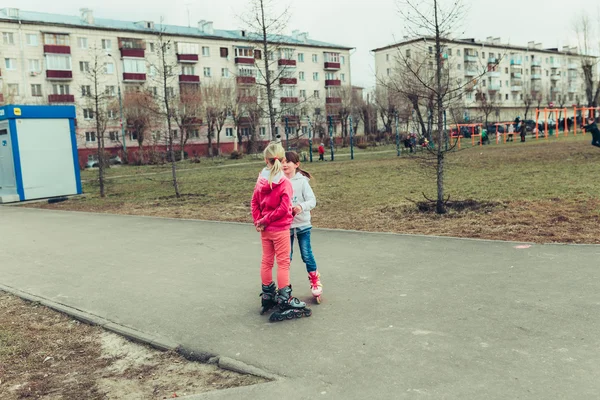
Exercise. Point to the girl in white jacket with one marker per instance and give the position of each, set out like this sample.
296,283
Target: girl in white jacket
303,201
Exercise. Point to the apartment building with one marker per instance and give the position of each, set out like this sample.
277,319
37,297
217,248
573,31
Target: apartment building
509,77
45,59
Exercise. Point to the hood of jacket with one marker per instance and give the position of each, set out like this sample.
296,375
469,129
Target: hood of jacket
263,180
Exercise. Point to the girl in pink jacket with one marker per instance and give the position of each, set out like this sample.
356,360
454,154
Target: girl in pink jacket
272,215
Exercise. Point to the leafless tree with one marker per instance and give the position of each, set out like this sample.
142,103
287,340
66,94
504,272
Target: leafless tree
486,104
216,103
138,112
589,44
187,113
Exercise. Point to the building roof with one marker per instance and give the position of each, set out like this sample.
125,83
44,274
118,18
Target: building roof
118,25
473,42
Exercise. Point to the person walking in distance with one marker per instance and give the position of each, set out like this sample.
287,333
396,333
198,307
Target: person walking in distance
592,128
303,201
522,131
272,214
511,132
321,152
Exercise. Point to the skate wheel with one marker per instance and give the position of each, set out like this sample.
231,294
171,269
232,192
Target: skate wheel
318,299
307,312
290,316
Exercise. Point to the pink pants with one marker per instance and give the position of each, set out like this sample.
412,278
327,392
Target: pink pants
276,245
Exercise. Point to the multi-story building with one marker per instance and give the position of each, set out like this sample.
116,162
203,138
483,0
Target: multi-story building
514,79
46,59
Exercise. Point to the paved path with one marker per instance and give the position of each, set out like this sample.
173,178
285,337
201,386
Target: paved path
403,316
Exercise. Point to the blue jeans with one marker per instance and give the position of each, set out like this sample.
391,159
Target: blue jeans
303,235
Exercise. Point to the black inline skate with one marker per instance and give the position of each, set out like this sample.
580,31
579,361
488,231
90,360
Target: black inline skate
268,295
289,307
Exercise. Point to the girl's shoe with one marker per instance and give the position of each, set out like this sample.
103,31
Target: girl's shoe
315,285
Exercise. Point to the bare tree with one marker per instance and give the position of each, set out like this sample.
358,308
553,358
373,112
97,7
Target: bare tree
587,37
216,104
486,104
187,113
138,111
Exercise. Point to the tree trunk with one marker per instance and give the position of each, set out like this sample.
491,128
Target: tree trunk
265,45
99,135
440,207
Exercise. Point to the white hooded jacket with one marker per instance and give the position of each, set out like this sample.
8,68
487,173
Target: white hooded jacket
303,197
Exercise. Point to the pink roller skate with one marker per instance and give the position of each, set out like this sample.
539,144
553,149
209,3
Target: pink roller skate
315,285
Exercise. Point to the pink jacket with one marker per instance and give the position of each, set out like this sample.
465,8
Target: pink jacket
272,208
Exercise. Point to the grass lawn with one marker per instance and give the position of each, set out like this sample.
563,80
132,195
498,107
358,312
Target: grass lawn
539,191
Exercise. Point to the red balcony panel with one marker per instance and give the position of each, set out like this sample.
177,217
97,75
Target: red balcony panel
288,81
245,121
138,53
56,74
333,100
247,80
288,100
333,82
61,98
129,76
189,78
332,65
290,63
247,99
244,60
56,49
1,98
292,119
187,58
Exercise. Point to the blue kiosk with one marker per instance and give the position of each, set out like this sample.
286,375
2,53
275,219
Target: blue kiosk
38,153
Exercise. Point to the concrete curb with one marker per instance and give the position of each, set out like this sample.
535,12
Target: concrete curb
157,343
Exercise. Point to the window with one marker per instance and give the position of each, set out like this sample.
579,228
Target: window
151,47
430,50
506,70
57,39
36,90
34,66
315,76
175,133
86,90
343,77
82,43
205,51
13,89
300,57
194,133
483,54
153,91
315,58
88,113
257,55
8,38
109,68
389,71
170,92
303,93
188,70
84,66
106,44
109,91
187,48
228,132
263,131
301,75
60,89
316,94
332,57
58,62
32,39
225,72
111,114
113,136
521,96
134,66
342,60
450,53
224,52
90,137
458,66
207,72
10,63
387,57
271,56
458,52
407,53
244,52
133,135
305,130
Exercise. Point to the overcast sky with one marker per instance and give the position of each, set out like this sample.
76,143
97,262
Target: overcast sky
364,25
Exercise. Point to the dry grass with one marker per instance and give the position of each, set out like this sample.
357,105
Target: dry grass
538,191
46,355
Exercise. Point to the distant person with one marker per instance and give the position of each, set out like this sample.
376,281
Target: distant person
484,137
592,128
321,152
303,201
511,132
272,215
522,131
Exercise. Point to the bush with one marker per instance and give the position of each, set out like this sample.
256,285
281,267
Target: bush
362,145
236,155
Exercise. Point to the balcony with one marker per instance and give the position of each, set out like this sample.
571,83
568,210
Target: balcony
516,75
516,88
244,60
288,81
492,60
56,49
536,63
470,72
246,80
332,65
61,98
572,89
187,58
288,100
573,66
470,58
189,79
247,99
554,77
333,100
291,119
493,74
133,77
333,82
136,53
286,63
516,61
554,89
59,75
536,77
493,87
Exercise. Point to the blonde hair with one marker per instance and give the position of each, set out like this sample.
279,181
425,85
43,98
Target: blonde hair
274,154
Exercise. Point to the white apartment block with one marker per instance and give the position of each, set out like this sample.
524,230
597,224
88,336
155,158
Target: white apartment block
505,74
45,59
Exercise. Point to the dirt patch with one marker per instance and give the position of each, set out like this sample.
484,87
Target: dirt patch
45,354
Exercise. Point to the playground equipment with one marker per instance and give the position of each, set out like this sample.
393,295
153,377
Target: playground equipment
470,127
591,111
547,112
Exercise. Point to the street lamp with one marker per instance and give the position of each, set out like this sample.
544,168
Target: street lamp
120,104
